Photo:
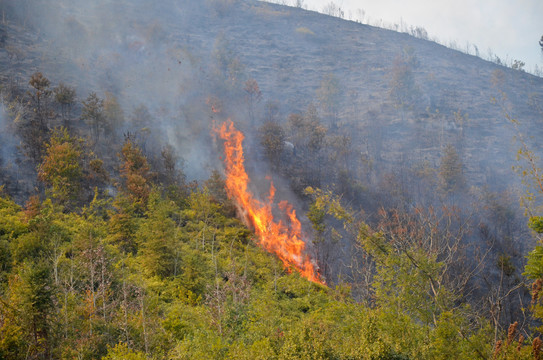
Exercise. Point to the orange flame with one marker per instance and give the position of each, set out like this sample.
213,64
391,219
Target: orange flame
281,239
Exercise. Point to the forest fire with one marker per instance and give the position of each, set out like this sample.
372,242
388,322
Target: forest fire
281,238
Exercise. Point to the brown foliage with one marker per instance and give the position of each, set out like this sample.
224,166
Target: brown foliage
32,207
536,289
536,348
511,332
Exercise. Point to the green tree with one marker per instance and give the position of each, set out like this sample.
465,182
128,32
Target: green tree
121,351
27,313
31,300
136,174
12,225
61,167
36,292
131,202
13,338
534,266
217,191
157,234
413,287
123,224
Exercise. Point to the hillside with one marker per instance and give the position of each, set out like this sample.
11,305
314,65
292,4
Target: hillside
170,172
289,52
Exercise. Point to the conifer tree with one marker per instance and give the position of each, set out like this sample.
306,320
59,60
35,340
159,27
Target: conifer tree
61,167
34,128
136,174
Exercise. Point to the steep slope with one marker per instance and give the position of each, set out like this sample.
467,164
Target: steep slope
387,106
413,136
161,53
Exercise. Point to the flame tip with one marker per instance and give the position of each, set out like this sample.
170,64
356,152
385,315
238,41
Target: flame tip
283,240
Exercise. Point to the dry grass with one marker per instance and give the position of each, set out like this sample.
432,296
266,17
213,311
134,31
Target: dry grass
305,31
263,10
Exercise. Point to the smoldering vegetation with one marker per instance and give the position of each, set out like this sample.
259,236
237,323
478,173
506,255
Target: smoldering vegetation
409,134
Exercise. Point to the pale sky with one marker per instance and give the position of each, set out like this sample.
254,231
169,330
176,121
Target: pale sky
510,28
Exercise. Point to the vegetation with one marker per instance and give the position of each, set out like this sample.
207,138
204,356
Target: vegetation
144,274
108,250
194,285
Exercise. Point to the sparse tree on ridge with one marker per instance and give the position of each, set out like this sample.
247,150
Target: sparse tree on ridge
333,10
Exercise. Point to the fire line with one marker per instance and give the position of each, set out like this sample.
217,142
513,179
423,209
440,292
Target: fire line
284,239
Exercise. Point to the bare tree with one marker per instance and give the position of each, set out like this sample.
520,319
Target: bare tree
333,9
93,114
253,95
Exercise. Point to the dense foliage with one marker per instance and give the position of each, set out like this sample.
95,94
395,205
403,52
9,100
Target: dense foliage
192,284
107,251
164,270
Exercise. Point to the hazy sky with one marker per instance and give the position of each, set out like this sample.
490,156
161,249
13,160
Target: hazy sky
511,29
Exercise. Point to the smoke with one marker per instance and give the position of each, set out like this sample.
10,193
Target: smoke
172,56
186,62
122,48
4,150
10,164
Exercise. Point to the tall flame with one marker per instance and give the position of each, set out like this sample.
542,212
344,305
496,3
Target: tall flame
284,240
